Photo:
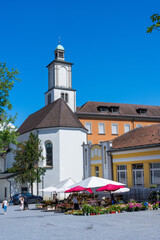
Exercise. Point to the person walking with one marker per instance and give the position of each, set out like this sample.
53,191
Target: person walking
10,200
55,200
25,203
5,205
21,199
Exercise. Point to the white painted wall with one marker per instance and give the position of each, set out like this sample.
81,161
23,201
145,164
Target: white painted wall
62,77
52,174
71,153
67,155
4,184
56,94
59,74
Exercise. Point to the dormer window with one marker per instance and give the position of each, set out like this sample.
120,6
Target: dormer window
141,110
114,109
102,108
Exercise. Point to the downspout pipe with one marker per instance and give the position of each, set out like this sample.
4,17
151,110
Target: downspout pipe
109,154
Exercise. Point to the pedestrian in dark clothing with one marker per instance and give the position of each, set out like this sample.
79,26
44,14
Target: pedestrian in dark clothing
25,203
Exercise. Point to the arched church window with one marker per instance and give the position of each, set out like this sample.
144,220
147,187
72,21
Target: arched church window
49,154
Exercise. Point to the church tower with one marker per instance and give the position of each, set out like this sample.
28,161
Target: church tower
60,80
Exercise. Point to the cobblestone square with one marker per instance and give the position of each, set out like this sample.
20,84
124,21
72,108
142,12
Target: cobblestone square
35,224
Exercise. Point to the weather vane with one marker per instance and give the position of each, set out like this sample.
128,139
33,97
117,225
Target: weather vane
59,38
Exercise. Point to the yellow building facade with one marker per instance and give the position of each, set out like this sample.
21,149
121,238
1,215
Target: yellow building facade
132,158
96,161
139,167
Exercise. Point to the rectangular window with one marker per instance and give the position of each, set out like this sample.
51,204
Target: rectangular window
122,173
139,125
88,127
92,153
90,142
62,95
138,175
101,128
97,171
61,54
99,152
66,97
126,128
114,128
155,173
95,151
5,192
24,189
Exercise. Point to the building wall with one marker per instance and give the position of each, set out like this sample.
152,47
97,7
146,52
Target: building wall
56,94
96,160
95,137
96,156
71,153
4,184
67,155
60,74
52,174
130,157
2,163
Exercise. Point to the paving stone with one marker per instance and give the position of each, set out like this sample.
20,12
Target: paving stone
35,224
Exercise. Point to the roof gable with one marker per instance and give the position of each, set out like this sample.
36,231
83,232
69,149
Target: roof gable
56,114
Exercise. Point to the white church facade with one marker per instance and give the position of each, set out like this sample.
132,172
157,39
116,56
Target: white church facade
58,128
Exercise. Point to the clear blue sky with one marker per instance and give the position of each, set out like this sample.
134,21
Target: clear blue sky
115,60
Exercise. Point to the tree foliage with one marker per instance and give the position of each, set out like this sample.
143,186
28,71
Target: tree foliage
27,158
156,19
7,133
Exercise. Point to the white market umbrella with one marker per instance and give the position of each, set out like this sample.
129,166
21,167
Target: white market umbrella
65,183
121,190
49,189
95,182
62,190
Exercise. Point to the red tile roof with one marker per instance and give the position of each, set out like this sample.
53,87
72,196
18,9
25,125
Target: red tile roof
148,135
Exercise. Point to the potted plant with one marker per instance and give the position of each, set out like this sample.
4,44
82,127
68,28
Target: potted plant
144,205
155,206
